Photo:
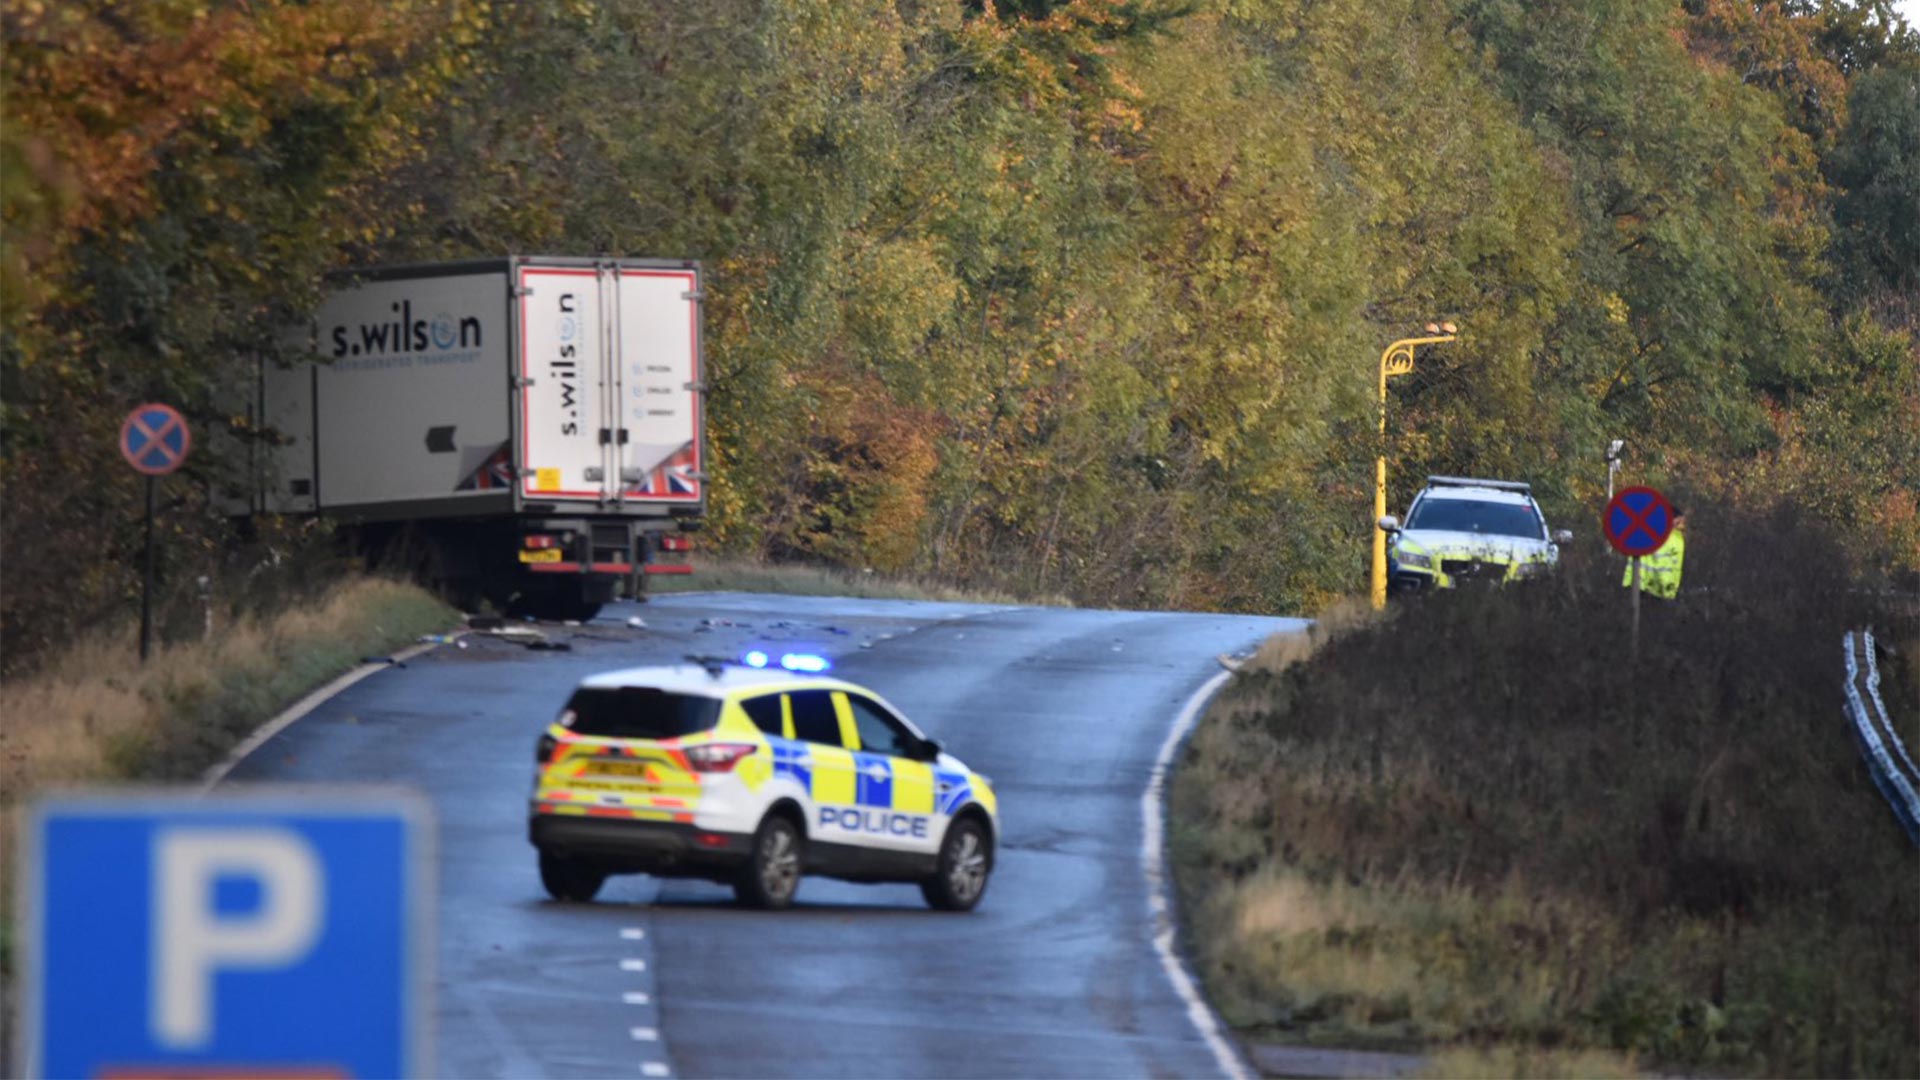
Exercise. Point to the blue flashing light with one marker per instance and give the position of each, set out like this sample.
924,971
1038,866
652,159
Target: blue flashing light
756,658
808,662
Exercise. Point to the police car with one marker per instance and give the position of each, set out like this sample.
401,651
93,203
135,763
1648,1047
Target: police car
753,774
1463,531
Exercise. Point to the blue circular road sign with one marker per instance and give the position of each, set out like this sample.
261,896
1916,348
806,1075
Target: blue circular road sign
154,439
1638,521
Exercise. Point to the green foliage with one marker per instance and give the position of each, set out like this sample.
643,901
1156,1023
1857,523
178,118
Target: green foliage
1075,296
1878,166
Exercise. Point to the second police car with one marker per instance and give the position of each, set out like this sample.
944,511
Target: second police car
753,774
1460,531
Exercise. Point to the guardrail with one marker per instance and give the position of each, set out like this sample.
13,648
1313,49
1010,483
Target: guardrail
1887,758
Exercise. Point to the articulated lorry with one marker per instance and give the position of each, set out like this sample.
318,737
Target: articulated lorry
522,430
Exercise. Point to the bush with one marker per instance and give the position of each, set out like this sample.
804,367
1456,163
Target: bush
1541,839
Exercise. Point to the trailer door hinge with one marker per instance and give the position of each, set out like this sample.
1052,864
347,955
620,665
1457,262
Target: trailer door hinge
696,295
595,473
606,436
631,475
623,436
698,386
518,291
519,381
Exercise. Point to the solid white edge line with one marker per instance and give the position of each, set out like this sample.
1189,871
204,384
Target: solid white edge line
299,709
1153,862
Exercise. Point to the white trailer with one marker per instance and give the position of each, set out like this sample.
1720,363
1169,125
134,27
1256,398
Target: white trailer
526,429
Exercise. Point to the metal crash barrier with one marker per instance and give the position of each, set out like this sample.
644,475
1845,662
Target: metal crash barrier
1887,758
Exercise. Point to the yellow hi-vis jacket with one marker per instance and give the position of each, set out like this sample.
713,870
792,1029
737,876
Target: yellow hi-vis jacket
1660,571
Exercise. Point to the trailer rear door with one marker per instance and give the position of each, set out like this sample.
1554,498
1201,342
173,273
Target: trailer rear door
565,426
659,449
610,369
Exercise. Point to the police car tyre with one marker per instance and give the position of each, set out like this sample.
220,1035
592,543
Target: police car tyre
772,873
966,861
570,879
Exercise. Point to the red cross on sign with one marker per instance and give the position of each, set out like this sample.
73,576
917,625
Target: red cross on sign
1638,521
155,439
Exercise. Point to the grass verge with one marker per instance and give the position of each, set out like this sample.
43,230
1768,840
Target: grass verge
730,574
95,715
1475,827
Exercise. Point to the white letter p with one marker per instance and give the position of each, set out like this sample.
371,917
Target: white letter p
192,939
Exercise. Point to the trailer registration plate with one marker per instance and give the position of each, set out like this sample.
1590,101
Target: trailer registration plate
547,555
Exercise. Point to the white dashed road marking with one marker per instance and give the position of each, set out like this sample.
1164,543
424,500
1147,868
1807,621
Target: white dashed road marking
635,997
631,964
633,933
653,1068
644,1034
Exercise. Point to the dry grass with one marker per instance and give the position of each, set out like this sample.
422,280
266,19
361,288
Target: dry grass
728,574
92,714
1459,828
1477,1063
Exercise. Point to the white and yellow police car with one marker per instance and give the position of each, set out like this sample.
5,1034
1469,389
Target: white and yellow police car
753,774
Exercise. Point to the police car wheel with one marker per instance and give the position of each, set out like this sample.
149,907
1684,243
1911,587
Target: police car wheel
570,879
772,873
966,860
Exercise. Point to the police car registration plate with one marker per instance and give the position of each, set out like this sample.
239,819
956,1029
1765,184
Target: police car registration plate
636,769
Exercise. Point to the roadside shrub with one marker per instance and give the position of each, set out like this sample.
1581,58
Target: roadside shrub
1677,854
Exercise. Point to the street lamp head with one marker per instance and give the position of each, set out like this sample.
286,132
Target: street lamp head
1614,448
1449,328
1433,328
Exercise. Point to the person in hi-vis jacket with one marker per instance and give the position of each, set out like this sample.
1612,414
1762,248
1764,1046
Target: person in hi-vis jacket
1660,571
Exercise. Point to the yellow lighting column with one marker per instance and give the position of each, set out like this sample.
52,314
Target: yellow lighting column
1397,360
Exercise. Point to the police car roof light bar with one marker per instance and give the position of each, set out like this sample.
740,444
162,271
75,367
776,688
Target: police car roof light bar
1463,481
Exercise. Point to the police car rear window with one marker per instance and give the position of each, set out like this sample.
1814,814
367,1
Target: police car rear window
632,712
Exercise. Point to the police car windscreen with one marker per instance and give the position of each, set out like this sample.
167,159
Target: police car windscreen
1467,515
630,712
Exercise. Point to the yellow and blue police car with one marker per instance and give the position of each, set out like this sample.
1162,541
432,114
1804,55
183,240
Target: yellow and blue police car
753,774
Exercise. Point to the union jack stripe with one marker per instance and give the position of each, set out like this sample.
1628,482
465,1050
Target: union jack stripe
494,473
673,476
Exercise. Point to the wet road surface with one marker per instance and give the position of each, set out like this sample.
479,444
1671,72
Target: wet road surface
1053,975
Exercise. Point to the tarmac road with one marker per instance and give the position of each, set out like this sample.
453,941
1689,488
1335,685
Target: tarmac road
1055,974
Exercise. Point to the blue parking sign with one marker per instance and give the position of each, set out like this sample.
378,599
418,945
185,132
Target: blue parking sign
268,932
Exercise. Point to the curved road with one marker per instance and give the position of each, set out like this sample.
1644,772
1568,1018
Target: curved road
1054,975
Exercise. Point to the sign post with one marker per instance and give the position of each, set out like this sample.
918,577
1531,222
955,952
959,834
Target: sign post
283,934
1637,523
154,439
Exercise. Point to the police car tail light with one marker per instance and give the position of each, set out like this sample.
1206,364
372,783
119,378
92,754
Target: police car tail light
717,757
543,750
